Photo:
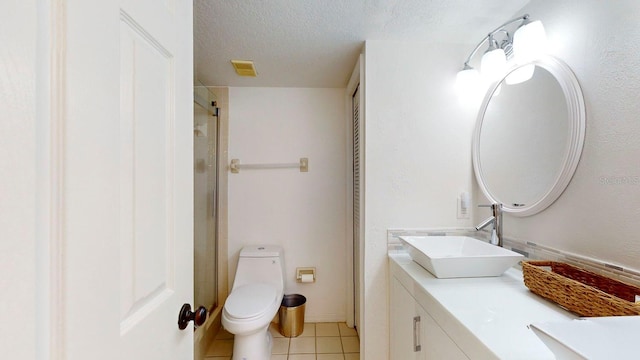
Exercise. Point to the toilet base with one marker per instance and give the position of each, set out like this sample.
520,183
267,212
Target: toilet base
256,346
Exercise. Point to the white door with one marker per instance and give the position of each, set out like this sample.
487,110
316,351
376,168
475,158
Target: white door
127,179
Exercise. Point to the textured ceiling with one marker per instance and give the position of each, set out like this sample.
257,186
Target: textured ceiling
315,43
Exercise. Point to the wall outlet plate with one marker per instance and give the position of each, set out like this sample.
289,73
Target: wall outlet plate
463,208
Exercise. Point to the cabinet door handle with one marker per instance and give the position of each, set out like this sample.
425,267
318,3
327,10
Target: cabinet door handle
416,334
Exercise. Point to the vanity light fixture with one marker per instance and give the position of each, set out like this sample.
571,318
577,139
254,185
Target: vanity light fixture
526,43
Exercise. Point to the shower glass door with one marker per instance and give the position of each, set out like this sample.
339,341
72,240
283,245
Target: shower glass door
205,155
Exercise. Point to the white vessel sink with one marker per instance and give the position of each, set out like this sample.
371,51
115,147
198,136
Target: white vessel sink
459,256
591,338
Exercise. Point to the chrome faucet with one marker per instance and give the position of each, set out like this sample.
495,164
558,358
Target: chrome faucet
496,220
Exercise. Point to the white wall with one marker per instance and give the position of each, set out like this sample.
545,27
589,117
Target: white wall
417,158
303,212
597,215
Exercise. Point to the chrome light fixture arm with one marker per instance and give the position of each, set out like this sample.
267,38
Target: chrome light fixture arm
522,18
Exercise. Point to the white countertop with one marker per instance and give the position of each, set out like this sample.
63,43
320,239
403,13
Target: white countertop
486,317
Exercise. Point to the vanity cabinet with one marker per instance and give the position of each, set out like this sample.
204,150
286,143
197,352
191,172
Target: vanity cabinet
491,324
414,333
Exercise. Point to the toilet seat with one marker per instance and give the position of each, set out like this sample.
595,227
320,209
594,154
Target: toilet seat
250,301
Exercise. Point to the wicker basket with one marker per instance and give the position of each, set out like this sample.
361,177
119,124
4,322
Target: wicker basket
580,291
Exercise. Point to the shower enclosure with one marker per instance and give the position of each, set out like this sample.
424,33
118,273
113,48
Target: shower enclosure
205,199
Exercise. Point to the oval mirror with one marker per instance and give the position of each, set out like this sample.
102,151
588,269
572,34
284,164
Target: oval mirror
529,136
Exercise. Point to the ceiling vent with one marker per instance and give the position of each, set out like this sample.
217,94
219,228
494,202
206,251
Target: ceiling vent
244,67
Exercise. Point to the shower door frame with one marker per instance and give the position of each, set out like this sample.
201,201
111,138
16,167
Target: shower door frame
213,203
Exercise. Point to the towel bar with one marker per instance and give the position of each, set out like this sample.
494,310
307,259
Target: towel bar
235,165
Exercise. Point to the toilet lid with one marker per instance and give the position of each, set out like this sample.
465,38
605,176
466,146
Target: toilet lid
250,300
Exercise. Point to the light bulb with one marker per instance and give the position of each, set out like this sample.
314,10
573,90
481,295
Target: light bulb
529,41
493,64
466,78
468,82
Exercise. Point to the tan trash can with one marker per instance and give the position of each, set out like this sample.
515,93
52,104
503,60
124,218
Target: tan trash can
291,315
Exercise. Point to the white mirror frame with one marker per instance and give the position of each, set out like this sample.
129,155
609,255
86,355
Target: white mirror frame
576,113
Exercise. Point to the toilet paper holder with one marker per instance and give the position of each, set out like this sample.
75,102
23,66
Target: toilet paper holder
305,274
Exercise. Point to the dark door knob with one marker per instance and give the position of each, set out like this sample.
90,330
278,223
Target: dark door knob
198,317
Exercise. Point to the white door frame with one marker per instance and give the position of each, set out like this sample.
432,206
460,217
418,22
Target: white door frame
30,229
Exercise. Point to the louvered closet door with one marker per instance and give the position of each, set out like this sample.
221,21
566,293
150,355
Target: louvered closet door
356,201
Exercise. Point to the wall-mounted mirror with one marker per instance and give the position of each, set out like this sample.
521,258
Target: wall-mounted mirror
528,138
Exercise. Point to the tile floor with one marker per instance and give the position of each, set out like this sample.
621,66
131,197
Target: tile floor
319,341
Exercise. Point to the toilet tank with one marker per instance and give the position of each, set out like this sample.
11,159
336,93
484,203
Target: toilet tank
261,264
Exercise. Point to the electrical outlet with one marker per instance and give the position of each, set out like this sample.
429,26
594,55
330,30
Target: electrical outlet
464,205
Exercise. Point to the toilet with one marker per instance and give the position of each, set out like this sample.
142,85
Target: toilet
254,300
